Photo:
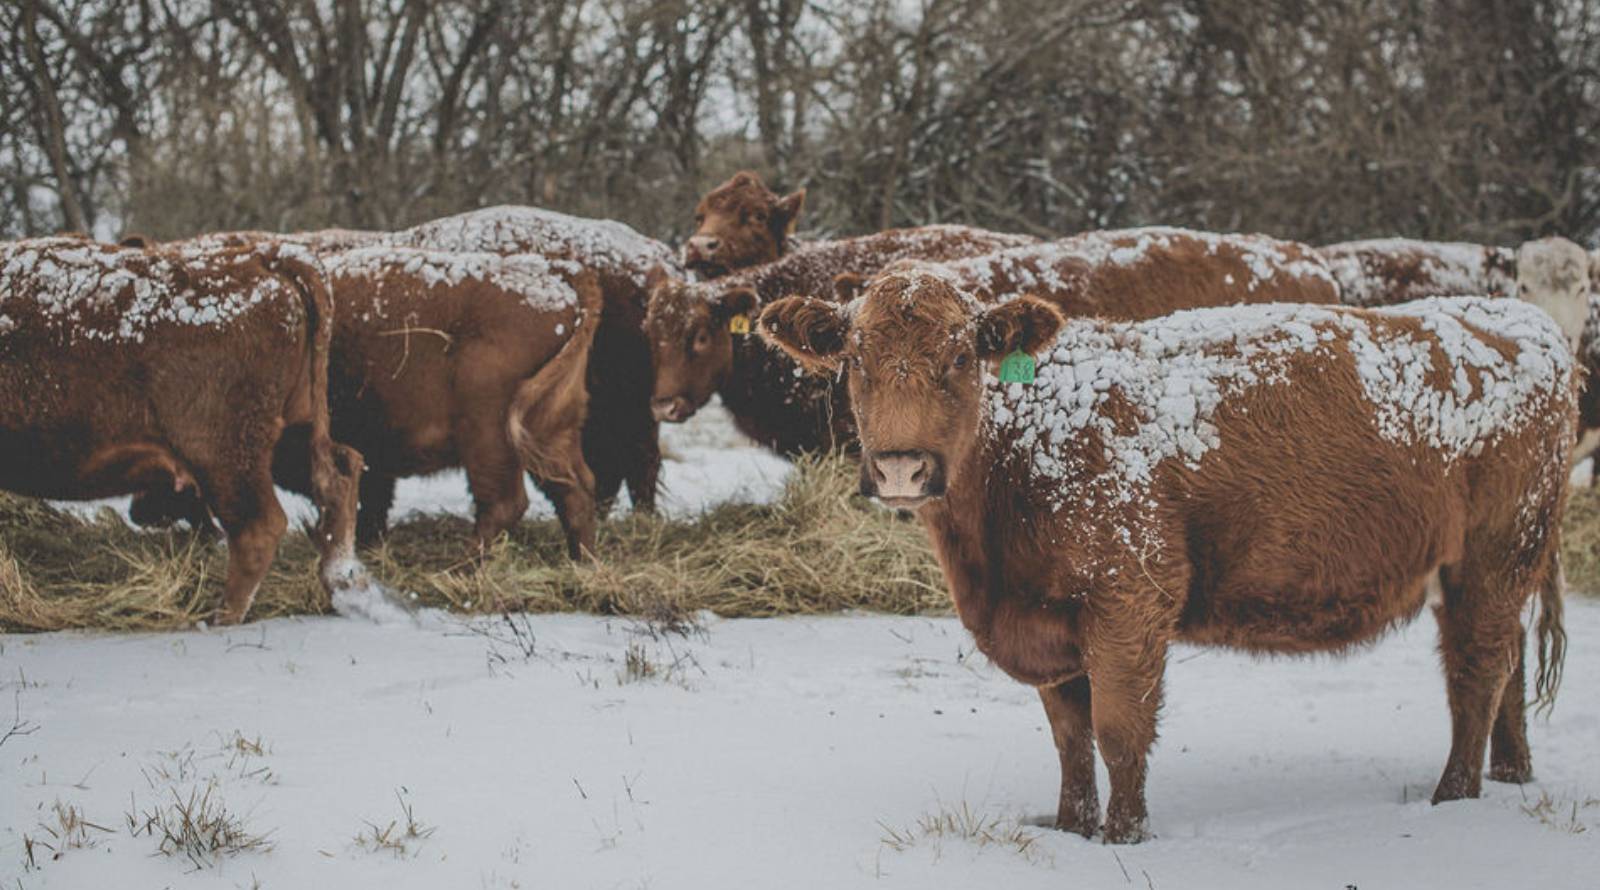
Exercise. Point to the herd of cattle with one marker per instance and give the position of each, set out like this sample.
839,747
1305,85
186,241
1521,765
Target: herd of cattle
1221,439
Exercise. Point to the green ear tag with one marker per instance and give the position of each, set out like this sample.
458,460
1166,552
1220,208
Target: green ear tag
1017,368
739,324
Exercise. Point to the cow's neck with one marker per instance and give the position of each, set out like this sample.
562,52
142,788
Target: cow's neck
989,541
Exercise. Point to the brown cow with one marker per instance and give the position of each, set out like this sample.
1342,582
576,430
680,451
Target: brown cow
444,359
1386,271
1277,479
620,437
697,355
126,370
741,223
1134,274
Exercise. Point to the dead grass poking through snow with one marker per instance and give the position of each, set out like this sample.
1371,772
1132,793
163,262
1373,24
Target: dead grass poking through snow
65,829
818,548
402,836
198,826
961,823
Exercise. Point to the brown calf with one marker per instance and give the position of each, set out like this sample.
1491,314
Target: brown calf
1276,479
696,354
620,437
126,370
741,223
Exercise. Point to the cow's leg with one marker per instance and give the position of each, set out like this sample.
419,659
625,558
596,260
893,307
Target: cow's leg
254,522
1509,757
1067,707
376,499
494,471
570,485
1478,635
1125,668
645,469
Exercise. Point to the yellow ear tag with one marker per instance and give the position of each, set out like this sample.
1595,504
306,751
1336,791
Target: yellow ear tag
739,324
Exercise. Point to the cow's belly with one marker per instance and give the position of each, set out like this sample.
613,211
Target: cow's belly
1304,614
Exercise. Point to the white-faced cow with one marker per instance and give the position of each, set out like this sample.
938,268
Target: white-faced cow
1276,479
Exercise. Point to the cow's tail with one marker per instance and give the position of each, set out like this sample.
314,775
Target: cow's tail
556,398
1552,634
300,267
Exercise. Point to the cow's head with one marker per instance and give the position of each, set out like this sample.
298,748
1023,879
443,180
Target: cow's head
691,329
741,223
1553,274
915,351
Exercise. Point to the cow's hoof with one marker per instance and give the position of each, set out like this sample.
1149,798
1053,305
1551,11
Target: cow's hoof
225,617
1085,826
1133,832
1511,773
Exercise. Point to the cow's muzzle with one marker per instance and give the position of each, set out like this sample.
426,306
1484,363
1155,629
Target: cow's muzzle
903,479
674,409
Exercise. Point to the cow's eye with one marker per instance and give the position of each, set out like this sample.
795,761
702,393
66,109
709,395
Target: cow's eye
960,362
761,216
701,341
699,219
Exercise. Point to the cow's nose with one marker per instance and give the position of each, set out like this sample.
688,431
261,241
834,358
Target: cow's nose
670,410
704,245
902,476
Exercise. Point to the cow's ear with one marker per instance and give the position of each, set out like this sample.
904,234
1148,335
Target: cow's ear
657,276
848,285
1026,323
786,213
735,301
811,331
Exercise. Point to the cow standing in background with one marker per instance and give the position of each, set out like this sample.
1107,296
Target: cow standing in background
1277,479
125,371
741,223
620,440
697,353
1134,274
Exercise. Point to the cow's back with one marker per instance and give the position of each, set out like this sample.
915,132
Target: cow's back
1388,271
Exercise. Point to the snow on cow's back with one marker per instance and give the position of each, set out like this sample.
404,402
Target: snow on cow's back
1127,397
99,292
1067,263
543,284
601,244
1379,271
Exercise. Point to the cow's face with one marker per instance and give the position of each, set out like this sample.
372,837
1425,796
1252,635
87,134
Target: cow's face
915,351
740,223
690,328
1553,274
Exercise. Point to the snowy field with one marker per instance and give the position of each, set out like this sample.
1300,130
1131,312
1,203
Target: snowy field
846,751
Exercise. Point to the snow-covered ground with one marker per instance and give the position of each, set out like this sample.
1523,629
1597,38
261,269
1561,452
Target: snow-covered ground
776,753
846,751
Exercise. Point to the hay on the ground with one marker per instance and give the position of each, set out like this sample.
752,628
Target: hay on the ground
818,548
1580,540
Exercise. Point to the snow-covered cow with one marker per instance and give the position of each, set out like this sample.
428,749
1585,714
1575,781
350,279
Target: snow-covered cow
178,369
691,328
620,437
741,223
1383,272
1134,274
1277,478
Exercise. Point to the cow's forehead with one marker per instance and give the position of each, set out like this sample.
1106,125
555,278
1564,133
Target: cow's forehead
913,298
739,193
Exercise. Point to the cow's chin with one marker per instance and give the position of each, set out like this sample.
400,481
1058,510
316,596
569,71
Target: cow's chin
707,269
906,503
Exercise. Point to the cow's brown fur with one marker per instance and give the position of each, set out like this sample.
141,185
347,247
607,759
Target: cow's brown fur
696,355
125,370
1306,525
1134,274
1389,271
620,443
741,223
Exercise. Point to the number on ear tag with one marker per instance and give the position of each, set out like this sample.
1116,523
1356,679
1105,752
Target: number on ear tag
739,324
1017,368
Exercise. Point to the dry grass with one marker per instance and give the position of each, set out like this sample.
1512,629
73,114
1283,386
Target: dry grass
1580,540
401,837
819,548
199,827
961,823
